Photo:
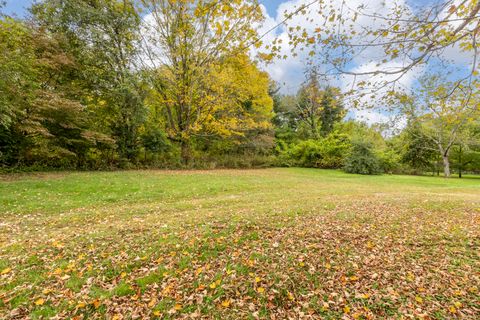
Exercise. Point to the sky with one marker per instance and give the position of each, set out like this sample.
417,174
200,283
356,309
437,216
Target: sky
289,73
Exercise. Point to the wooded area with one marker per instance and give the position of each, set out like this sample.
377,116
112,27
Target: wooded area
110,84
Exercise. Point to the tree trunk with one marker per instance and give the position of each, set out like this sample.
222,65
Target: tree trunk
446,166
185,152
460,165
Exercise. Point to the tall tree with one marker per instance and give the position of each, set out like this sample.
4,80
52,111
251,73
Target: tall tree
309,104
184,39
442,113
332,109
416,148
40,122
102,36
319,108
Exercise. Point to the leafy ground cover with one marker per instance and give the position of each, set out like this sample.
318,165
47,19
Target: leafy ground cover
274,243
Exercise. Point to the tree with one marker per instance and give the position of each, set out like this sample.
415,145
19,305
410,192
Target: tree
394,38
102,36
309,107
417,149
362,159
332,109
319,109
240,113
183,41
442,114
465,154
40,122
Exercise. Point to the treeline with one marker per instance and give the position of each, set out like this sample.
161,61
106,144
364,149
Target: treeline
312,130
115,84
110,84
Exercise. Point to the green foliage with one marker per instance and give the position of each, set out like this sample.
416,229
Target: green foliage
416,149
317,109
85,86
362,159
325,152
102,37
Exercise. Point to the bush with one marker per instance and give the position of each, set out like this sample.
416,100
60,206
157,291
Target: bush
333,150
306,154
362,160
390,161
327,153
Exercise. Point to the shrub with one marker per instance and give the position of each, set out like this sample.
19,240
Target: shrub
306,153
362,159
333,150
328,153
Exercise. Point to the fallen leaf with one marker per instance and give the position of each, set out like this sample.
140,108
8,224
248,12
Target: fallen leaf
226,303
6,270
96,303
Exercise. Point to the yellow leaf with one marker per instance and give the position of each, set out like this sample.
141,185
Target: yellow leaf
353,278
365,296
452,309
81,305
290,295
213,285
457,304
157,313
346,309
226,303
410,276
123,275
116,317
6,270
96,303
152,303
261,290
419,299
257,279
178,307
46,291
39,302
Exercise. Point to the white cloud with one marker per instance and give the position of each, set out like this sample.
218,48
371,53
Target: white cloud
290,72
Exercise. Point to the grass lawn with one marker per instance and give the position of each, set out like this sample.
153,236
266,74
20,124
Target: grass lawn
231,244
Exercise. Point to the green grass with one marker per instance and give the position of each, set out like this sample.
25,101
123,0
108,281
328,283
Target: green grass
238,244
